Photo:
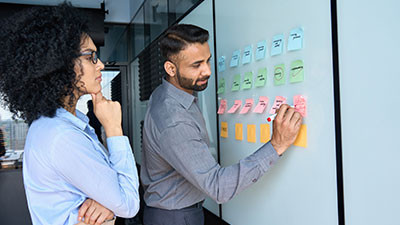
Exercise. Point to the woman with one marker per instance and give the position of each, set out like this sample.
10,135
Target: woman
48,61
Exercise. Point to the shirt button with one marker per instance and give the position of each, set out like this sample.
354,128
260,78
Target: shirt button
254,180
270,163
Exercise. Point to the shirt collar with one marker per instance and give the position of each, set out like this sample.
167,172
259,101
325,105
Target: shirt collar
184,98
80,120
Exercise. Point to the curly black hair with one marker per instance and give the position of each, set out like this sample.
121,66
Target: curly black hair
38,51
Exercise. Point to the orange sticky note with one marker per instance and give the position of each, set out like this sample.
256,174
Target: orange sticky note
224,129
265,133
251,133
239,131
301,139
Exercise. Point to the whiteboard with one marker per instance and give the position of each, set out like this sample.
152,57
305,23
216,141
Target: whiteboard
301,187
368,57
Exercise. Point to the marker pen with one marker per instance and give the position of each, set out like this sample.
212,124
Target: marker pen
272,117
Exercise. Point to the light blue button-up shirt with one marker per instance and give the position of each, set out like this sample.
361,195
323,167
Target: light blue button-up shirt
64,164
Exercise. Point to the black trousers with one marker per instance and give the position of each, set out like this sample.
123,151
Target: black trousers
186,216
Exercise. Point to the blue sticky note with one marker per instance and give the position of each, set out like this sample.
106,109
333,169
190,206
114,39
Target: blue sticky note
235,58
277,45
221,64
261,50
295,41
247,53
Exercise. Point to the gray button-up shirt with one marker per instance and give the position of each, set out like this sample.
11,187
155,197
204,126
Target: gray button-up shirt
178,169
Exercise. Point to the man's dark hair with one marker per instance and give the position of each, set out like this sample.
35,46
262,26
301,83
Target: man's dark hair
177,37
38,51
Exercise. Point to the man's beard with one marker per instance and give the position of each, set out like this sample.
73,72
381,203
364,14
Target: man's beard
187,83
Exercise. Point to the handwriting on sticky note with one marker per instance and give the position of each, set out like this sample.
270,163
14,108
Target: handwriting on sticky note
295,41
261,50
279,100
247,53
221,64
279,75
235,58
300,104
236,83
247,81
222,107
251,133
261,77
296,71
235,107
277,45
224,129
221,86
262,105
301,139
265,133
247,106
239,131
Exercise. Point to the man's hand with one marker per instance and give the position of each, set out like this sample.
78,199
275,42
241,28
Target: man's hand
109,114
286,126
94,213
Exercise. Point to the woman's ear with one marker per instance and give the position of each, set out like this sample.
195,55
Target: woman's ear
170,68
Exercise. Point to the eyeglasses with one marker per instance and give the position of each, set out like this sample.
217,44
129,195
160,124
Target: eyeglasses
93,55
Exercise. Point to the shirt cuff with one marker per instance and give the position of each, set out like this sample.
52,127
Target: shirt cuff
118,144
268,156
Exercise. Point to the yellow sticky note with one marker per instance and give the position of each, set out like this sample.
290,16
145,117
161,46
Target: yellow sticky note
224,129
251,133
239,131
265,133
301,139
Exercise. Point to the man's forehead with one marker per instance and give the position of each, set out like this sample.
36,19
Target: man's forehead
194,52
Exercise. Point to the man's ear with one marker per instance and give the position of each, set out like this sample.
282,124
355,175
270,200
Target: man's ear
170,68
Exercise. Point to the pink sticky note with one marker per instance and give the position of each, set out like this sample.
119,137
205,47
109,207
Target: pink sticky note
262,105
222,107
235,106
279,100
247,106
300,104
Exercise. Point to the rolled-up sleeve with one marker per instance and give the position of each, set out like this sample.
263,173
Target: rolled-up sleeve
113,184
184,149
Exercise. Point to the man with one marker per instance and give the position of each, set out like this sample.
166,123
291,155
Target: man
178,171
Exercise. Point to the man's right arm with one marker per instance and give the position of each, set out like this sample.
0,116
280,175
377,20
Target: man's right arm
185,150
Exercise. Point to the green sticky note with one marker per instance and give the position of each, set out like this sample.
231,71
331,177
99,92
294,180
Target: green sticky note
221,86
279,75
236,83
247,81
296,71
261,77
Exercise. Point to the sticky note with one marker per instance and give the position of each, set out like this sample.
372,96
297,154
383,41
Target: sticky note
261,77
221,86
247,53
296,71
265,133
261,105
300,104
247,81
251,133
221,64
261,50
301,139
239,131
235,58
222,107
295,41
279,100
224,129
247,106
279,75
236,82
235,106
277,44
